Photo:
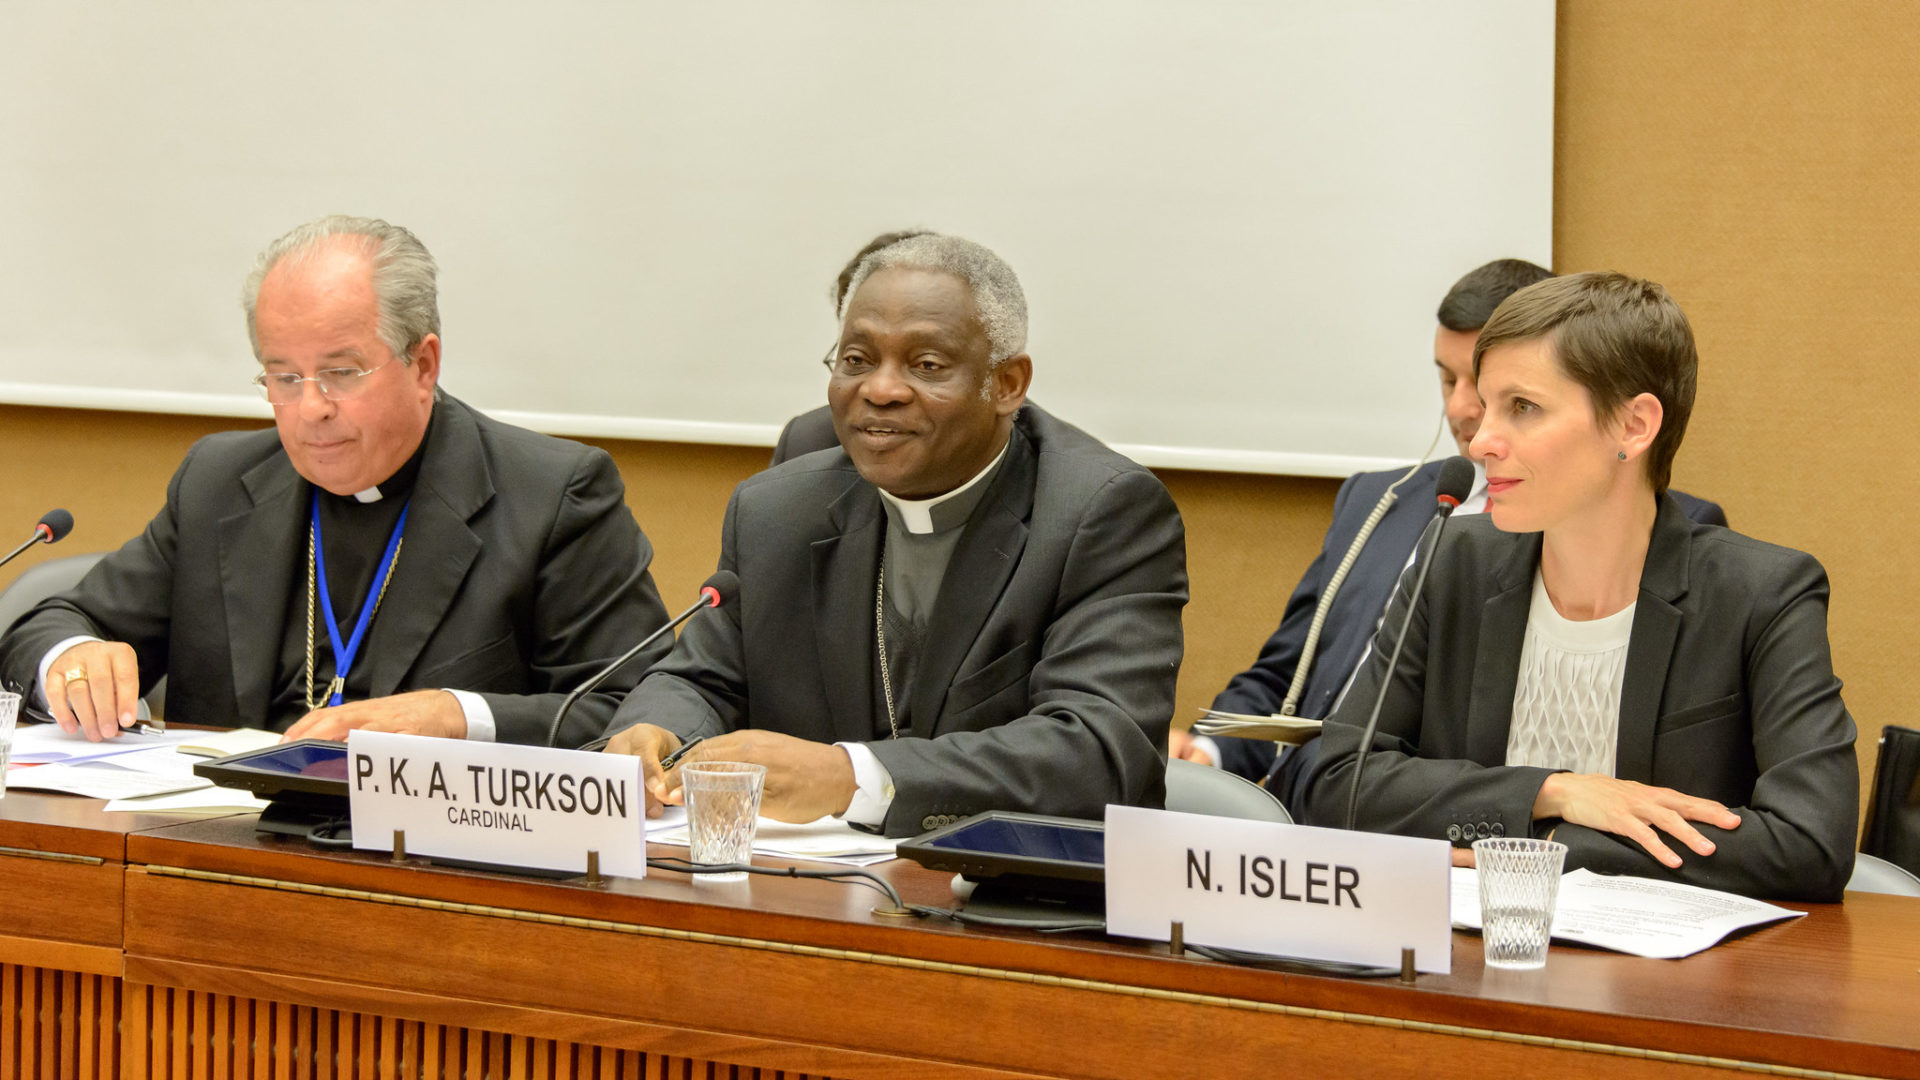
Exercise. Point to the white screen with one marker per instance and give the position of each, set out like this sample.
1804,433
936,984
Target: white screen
1233,220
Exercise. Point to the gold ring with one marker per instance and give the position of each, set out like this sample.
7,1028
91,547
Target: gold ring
78,674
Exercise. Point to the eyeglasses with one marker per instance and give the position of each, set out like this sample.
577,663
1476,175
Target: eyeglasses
336,384
833,354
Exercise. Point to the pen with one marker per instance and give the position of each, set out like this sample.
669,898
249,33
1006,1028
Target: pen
673,758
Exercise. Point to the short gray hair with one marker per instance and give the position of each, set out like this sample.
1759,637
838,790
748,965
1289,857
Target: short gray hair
996,290
404,276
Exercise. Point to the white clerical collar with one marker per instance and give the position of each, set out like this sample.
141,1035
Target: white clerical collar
371,495
917,514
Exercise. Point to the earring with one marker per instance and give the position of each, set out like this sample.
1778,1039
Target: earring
1623,455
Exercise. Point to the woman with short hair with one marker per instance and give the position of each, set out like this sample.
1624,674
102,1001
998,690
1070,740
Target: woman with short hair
1587,664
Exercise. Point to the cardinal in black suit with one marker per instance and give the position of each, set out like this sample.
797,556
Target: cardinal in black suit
968,605
386,558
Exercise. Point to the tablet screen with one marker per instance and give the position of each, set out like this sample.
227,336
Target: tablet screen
328,762
1028,839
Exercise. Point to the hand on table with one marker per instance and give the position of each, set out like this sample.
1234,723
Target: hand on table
805,779
1632,810
649,743
422,712
94,688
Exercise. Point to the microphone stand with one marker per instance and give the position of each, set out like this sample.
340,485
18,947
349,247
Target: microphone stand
709,597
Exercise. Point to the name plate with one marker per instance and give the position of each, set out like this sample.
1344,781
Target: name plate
525,806
1289,890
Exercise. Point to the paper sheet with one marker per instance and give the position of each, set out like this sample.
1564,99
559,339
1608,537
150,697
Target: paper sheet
217,744
825,840
1292,730
35,744
100,781
1634,915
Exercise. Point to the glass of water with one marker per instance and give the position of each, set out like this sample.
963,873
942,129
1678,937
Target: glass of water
9,713
1519,881
723,807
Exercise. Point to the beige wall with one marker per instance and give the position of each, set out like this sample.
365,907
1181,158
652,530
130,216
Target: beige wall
1759,158
1762,160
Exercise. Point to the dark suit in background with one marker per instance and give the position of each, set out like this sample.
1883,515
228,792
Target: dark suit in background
1047,678
521,574
811,430
1350,622
1729,695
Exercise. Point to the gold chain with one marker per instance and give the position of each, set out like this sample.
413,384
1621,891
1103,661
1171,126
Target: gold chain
880,635
311,563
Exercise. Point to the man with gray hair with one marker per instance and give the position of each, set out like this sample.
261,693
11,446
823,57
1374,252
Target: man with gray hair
386,558
968,606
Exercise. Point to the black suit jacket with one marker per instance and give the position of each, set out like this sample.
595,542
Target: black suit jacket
1046,681
522,573
1351,620
1729,694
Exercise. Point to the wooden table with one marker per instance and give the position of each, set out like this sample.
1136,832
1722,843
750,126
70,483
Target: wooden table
245,955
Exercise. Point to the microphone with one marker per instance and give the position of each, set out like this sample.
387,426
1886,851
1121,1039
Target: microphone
720,589
1454,484
53,526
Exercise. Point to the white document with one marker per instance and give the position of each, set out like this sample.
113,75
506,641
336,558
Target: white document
157,761
100,781
216,744
1639,916
38,744
1287,890
823,840
206,800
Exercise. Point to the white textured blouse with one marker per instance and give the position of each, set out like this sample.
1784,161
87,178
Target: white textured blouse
1566,702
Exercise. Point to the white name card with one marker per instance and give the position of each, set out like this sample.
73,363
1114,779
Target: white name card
525,806
1289,890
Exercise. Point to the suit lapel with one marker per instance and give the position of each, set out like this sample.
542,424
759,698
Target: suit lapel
254,590
982,564
1656,626
437,548
1496,670
845,569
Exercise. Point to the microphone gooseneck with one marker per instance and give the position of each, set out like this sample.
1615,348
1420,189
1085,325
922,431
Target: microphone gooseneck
721,589
1454,484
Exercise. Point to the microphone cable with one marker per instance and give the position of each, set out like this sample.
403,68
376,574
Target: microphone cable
1304,666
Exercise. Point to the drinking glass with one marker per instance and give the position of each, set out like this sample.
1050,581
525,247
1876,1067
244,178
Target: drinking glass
1519,880
723,806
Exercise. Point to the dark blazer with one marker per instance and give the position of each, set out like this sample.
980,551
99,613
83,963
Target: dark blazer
1351,620
522,573
811,430
1729,694
1047,680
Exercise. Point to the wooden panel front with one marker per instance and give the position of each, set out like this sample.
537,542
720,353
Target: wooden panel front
175,1034
778,1004
57,901
58,1024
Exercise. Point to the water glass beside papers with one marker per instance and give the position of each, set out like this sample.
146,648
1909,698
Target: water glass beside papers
723,805
9,713
1519,880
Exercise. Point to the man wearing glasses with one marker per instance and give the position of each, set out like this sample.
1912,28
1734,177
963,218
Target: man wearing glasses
387,558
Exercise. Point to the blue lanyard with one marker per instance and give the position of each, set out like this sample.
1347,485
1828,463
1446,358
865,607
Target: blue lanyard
343,655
